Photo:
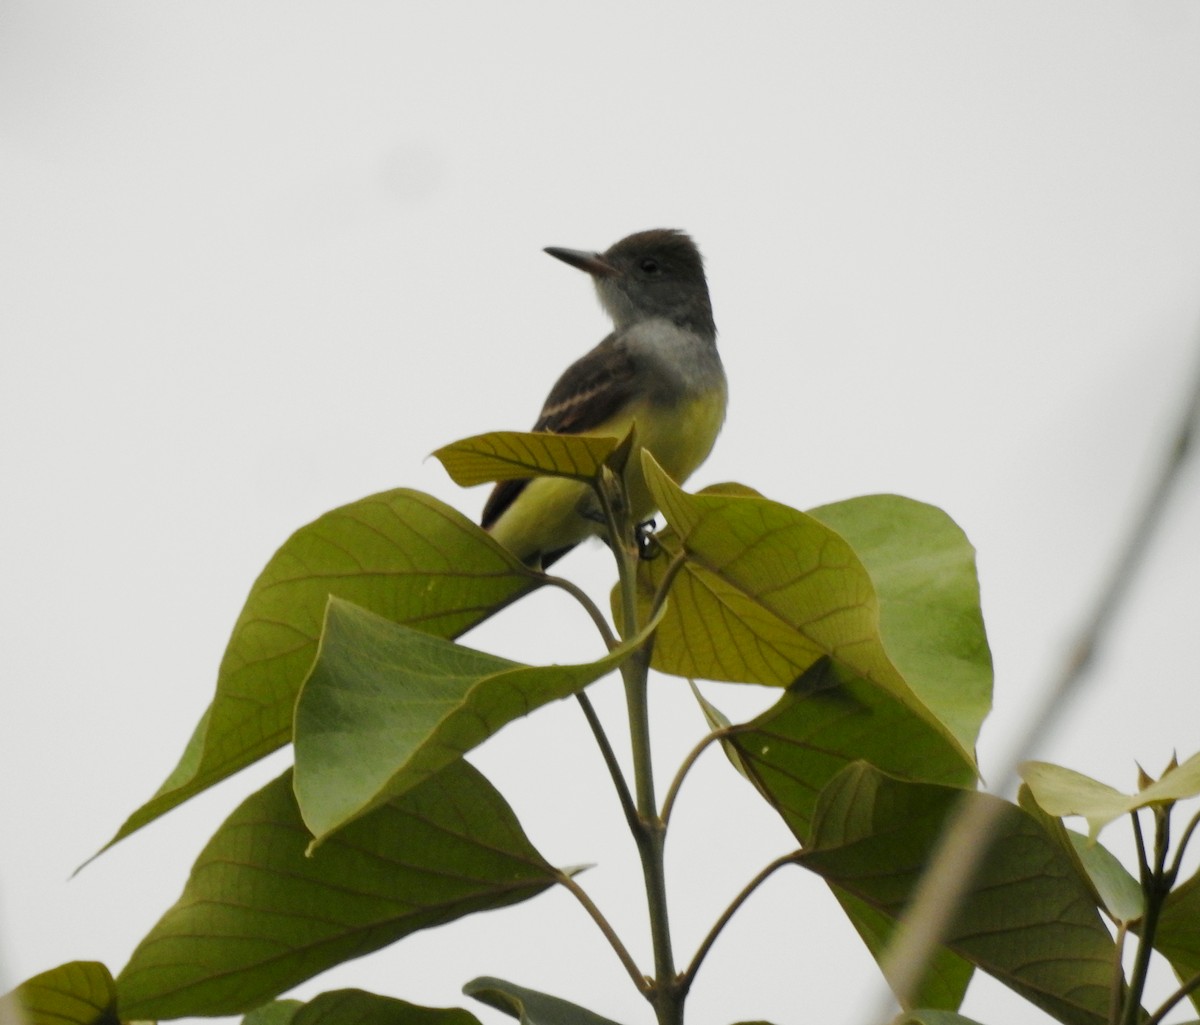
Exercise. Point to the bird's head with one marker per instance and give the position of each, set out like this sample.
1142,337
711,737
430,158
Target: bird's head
655,273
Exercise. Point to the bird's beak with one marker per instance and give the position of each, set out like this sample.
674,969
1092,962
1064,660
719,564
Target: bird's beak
593,263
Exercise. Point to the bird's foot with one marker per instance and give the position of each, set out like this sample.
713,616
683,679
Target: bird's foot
647,544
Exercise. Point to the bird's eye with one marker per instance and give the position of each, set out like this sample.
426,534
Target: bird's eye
649,265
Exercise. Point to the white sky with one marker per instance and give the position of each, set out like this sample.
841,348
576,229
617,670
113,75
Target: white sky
258,260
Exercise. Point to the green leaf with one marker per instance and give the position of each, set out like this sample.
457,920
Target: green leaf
829,719
258,917
815,730
387,706
1027,919
356,1007
948,975
1113,888
277,1012
927,1016
529,1006
513,455
930,619
767,590
1063,791
401,554
1118,892
718,720
77,993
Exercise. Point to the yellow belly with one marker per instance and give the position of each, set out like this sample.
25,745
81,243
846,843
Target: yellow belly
552,513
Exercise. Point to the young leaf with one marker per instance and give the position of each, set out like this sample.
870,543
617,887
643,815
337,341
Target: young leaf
1028,919
356,1007
513,455
529,1006
1118,892
77,993
387,706
257,916
767,590
401,554
1061,792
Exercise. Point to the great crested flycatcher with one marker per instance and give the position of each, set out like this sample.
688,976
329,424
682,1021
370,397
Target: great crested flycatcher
658,369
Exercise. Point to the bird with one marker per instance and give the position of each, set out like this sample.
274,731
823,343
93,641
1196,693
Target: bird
659,369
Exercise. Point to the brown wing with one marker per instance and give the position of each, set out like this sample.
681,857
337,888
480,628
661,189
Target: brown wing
589,392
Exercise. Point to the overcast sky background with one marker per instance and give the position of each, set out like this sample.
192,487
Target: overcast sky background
258,260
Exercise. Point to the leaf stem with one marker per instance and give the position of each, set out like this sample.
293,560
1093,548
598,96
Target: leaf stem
610,760
664,585
689,976
589,606
1173,873
1187,988
589,712
610,934
686,765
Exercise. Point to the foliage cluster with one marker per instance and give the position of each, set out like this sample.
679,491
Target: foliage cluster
865,614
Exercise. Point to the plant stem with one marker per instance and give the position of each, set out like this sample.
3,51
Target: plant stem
649,832
1154,892
589,607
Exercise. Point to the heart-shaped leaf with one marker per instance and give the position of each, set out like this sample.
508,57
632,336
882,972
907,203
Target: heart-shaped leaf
257,916
766,591
1028,918
387,706
401,554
